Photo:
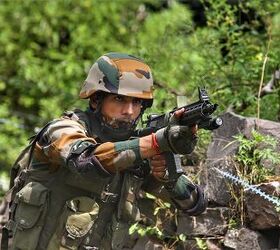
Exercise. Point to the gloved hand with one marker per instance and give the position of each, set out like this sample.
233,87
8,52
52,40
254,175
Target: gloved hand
188,196
177,139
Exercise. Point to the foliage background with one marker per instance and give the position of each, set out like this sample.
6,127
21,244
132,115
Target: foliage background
46,48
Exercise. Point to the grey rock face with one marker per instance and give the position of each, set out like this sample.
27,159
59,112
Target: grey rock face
220,154
212,222
223,148
215,185
262,214
246,239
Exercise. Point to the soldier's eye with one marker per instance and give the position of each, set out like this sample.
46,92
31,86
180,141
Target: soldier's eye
118,98
137,101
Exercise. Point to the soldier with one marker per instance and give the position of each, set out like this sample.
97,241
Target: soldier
81,188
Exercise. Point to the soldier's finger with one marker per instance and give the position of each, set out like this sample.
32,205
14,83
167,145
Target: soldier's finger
158,157
179,113
194,129
158,167
158,163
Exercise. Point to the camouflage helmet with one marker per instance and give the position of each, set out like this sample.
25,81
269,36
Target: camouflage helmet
121,74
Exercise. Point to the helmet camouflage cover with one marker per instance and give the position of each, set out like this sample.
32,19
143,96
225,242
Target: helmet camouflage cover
121,74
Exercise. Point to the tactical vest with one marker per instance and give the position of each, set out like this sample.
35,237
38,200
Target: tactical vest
62,210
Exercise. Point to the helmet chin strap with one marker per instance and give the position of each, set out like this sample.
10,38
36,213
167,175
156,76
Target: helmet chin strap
110,133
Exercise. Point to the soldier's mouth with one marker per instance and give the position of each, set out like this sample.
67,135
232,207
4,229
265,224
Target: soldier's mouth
119,123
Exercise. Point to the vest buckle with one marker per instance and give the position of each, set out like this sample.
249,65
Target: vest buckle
108,197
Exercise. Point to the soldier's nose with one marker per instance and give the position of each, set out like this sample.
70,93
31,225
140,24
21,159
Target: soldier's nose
128,108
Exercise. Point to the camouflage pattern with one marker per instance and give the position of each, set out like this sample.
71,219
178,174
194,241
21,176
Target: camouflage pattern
64,134
73,196
121,74
61,200
50,162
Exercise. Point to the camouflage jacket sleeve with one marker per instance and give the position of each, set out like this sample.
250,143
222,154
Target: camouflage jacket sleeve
67,140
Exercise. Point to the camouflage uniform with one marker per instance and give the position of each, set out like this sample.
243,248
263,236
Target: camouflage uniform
81,189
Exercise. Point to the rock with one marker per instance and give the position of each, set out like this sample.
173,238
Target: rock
222,143
273,237
188,244
215,185
231,238
219,154
223,148
246,239
147,244
272,129
211,223
213,245
262,213
193,245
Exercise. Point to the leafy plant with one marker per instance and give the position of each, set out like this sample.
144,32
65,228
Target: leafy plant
252,155
232,223
163,213
201,244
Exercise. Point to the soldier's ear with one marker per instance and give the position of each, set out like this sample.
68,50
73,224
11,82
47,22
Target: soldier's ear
96,99
93,102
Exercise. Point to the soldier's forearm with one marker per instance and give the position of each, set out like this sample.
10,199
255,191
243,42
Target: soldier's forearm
147,149
121,155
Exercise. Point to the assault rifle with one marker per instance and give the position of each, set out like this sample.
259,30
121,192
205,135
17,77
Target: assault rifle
198,113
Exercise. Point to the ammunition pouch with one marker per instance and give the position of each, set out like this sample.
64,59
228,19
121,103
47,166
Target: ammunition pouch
75,223
31,206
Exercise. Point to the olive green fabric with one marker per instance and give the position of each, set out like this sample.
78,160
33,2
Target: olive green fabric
128,210
57,191
30,215
41,220
77,219
60,209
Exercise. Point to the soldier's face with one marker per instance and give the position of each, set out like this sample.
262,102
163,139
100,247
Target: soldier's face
120,111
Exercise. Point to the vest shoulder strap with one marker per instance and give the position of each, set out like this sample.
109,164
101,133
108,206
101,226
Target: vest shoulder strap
84,119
